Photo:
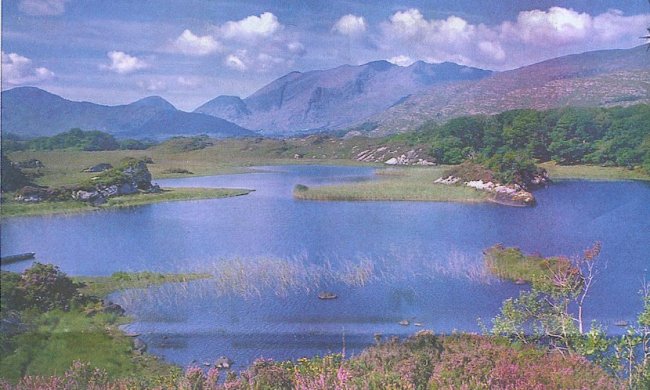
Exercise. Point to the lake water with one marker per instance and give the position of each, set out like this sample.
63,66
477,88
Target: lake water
386,261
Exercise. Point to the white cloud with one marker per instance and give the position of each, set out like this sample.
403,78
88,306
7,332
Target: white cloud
533,36
252,27
42,7
190,44
188,82
123,63
258,44
17,70
556,26
234,62
613,25
152,85
401,60
296,47
350,25
492,50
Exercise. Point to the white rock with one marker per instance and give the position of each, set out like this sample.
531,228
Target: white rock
392,161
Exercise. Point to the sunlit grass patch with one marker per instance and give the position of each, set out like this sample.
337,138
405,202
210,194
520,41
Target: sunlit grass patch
395,184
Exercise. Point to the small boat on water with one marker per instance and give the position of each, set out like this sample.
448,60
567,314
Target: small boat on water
621,323
17,258
327,295
404,322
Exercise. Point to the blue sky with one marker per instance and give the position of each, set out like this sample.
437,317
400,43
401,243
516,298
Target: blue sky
190,51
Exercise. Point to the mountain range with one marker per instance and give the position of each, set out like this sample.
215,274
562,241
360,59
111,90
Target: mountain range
334,98
32,112
377,98
593,79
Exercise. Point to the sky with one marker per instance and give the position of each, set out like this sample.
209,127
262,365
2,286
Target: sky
191,51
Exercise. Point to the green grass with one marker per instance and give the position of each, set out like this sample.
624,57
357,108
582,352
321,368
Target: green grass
593,172
11,208
512,264
57,339
396,184
101,286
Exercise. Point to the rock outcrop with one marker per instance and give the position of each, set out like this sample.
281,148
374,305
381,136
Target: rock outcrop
393,156
130,177
510,194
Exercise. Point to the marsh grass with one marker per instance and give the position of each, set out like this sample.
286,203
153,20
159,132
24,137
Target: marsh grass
11,208
513,264
396,184
254,278
101,286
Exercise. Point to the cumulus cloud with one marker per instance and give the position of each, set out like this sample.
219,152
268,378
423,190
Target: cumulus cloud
123,63
401,60
42,7
350,25
556,26
234,62
190,44
252,27
531,36
17,70
257,43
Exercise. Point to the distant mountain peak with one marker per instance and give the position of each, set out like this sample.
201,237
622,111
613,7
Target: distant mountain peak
154,101
333,98
32,112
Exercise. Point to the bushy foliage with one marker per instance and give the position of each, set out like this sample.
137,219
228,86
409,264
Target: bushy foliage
12,178
618,136
76,139
420,362
42,286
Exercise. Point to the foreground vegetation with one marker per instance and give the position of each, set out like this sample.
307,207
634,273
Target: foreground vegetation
408,184
49,321
422,361
56,333
12,208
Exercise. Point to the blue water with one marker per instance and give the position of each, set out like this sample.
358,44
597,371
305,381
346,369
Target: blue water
423,261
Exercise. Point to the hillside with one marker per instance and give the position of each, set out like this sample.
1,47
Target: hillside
32,112
334,98
592,79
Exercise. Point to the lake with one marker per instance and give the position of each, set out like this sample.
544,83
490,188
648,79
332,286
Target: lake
386,261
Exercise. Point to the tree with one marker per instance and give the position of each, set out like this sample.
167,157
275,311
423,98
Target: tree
46,287
545,313
12,177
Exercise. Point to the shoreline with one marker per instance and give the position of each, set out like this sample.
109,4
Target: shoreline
13,209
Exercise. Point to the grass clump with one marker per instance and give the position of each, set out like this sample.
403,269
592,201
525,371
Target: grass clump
513,264
103,285
395,184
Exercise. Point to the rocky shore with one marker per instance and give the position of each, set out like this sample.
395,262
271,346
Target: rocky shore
511,194
131,177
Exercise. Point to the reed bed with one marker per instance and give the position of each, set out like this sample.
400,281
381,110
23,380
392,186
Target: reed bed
255,278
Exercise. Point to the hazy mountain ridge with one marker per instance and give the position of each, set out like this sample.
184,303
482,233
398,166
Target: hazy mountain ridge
30,112
598,78
334,98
